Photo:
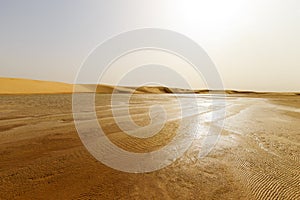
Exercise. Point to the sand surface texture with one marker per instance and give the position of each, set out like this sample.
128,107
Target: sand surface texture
257,155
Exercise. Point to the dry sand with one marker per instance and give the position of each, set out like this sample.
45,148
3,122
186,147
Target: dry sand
257,155
26,86
42,157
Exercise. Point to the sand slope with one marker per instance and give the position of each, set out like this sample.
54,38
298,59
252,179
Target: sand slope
26,86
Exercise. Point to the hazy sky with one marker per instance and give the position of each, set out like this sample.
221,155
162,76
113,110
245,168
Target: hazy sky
255,44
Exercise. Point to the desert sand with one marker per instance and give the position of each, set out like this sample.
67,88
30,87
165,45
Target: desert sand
256,156
27,86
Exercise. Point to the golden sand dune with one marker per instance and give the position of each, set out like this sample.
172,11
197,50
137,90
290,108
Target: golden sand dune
27,86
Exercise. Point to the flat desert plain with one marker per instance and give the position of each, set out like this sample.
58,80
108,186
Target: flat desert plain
257,155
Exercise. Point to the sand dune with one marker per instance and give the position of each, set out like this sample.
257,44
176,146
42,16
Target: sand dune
27,86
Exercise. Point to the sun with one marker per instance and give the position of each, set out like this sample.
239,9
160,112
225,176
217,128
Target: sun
208,16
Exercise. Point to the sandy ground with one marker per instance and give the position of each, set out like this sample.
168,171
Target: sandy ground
257,155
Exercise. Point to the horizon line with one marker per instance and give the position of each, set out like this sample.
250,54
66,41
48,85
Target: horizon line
157,86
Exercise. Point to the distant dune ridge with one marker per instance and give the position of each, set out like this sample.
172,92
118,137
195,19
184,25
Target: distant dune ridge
28,86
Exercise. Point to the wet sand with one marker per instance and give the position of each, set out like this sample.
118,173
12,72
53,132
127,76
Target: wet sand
257,155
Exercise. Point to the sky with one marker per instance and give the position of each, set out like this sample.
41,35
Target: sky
254,44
